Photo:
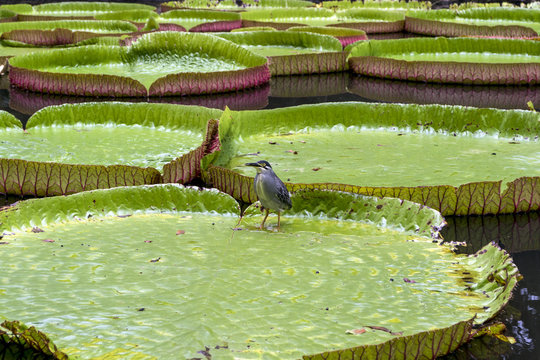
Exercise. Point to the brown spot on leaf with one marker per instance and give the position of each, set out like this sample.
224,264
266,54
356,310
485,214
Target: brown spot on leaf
407,280
49,240
316,169
356,331
147,241
155,260
272,142
180,232
36,230
379,207
124,216
3,243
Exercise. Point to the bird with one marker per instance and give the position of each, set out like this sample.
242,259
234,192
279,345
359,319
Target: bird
271,191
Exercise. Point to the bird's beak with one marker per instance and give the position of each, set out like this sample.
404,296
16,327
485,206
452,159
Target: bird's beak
252,164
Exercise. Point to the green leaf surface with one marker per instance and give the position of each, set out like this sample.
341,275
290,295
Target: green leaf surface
74,8
72,148
322,275
361,144
102,26
143,135
292,53
455,60
9,122
511,22
385,4
181,64
246,5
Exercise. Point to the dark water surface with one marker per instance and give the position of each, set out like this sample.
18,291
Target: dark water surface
519,234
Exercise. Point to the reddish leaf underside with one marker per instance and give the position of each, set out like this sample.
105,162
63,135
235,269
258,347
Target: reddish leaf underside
308,63
450,29
447,72
188,167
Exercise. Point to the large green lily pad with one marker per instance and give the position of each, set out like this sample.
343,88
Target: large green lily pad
368,20
60,32
71,9
492,21
192,20
455,60
246,5
379,4
163,63
333,269
446,157
293,53
72,148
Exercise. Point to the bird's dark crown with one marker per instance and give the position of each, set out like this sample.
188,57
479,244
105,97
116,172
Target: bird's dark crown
261,163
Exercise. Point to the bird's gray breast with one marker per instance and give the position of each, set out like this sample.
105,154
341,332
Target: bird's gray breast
271,192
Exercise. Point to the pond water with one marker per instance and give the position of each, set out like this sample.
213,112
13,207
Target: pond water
519,234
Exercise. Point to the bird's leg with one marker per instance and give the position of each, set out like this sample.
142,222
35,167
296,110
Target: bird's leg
265,216
278,216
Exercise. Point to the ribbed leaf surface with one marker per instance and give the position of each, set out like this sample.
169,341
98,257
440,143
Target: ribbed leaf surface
280,300
124,71
465,198
481,61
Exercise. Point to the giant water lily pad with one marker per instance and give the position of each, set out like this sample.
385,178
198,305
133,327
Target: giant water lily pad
74,9
346,36
192,20
292,53
61,32
369,20
72,148
457,60
446,157
378,4
163,63
492,21
332,272
203,20
245,5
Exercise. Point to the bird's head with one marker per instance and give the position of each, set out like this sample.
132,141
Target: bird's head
261,166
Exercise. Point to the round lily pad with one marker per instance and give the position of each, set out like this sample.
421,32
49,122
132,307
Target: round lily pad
368,20
162,63
231,290
61,32
455,60
445,157
492,21
71,9
346,36
292,53
73,148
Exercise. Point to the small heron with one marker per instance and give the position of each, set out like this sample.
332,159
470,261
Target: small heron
270,190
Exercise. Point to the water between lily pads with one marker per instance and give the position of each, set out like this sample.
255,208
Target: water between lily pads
389,158
131,282
100,145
